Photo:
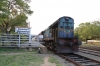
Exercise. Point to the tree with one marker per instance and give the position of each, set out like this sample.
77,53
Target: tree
88,30
13,13
96,29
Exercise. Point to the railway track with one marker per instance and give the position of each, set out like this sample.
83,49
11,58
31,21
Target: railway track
96,48
91,52
79,60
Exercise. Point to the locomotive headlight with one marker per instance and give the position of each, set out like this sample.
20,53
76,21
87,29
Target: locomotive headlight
66,19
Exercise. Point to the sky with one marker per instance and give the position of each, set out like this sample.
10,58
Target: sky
46,12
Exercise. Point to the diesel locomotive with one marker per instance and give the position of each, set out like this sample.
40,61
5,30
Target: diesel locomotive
59,36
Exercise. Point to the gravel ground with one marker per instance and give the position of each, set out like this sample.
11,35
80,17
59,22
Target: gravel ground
89,56
66,63
63,62
60,60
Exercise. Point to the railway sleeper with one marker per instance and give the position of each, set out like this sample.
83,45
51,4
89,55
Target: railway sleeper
91,64
84,61
75,57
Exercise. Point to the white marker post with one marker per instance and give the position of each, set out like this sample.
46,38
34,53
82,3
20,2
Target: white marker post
29,37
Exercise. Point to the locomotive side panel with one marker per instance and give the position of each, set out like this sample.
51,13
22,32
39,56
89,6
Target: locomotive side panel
48,35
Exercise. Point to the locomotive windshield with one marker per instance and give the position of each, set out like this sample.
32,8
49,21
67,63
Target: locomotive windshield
67,24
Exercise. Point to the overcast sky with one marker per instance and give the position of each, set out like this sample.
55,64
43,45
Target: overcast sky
48,11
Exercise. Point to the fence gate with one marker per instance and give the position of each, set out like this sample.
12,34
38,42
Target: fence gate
16,40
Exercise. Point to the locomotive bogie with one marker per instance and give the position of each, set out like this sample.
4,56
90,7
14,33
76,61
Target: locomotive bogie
67,49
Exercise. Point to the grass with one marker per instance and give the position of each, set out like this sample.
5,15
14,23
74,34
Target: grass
53,60
14,50
20,60
23,58
88,45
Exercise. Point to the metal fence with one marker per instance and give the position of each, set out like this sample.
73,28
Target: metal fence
15,39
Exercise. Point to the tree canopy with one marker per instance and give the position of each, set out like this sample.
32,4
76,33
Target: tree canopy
13,13
88,30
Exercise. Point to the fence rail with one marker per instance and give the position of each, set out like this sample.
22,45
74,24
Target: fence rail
15,39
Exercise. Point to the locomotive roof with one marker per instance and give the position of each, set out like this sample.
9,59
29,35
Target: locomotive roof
58,21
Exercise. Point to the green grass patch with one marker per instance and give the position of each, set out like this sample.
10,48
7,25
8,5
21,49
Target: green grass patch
88,45
19,57
21,60
15,50
53,60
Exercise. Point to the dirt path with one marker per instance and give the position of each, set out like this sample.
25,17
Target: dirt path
46,63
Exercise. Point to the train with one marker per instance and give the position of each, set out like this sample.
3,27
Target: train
60,37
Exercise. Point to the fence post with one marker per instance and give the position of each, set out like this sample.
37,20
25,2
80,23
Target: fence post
19,41
29,37
2,39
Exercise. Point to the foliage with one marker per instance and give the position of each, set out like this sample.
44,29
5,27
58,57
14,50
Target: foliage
13,13
88,30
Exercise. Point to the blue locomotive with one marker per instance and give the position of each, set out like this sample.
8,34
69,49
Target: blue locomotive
59,36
